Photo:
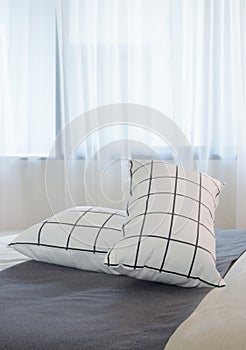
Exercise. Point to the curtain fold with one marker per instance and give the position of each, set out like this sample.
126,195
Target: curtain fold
241,101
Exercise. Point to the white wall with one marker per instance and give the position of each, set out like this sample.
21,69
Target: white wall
23,191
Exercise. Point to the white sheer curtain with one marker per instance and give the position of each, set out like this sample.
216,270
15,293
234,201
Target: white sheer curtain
27,76
115,51
60,58
209,89
186,59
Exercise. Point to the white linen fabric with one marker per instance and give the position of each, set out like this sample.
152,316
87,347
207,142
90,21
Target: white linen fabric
77,237
219,320
169,231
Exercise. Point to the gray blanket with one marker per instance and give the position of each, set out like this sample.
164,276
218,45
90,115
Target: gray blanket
46,306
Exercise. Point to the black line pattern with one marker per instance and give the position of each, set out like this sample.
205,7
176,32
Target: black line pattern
75,224
146,164
100,231
172,193
88,230
198,227
169,213
144,215
170,272
131,176
171,240
171,223
182,179
130,188
58,247
81,225
190,223
40,230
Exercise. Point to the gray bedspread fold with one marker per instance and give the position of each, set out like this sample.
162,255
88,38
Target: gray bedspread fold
46,306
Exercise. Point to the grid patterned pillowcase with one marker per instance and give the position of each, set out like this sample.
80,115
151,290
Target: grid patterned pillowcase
169,231
78,237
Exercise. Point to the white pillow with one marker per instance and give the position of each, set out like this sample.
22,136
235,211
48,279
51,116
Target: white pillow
78,237
169,231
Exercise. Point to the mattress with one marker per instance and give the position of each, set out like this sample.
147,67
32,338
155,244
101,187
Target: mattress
47,306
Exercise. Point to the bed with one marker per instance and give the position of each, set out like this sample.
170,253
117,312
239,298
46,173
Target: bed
46,306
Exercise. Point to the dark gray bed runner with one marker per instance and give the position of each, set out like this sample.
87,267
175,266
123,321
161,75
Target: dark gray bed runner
51,307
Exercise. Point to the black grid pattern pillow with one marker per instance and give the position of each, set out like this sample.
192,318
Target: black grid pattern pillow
169,231
78,237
